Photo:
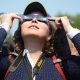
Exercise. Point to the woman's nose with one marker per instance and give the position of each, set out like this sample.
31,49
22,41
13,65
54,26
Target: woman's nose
34,20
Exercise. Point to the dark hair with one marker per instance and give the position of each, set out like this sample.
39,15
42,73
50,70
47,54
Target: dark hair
18,41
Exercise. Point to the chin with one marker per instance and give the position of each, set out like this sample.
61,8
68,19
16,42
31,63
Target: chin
33,36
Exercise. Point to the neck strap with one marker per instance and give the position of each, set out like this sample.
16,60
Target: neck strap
38,65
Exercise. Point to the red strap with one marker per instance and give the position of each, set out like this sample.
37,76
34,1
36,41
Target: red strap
57,65
8,71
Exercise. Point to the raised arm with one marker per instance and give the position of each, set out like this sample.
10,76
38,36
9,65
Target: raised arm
7,21
73,33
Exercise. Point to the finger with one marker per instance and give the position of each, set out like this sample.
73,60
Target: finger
51,19
15,16
54,18
58,23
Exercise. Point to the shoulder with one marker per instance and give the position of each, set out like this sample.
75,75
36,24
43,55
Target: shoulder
3,31
77,36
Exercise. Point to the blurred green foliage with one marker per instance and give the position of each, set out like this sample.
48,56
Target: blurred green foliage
74,19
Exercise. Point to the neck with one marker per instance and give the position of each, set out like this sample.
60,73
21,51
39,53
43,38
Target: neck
34,47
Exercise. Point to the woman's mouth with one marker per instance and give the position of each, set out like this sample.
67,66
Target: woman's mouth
33,27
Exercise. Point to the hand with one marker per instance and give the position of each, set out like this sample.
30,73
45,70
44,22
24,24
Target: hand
62,21
7,19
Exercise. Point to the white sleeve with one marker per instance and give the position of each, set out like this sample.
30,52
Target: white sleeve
73,32
5,27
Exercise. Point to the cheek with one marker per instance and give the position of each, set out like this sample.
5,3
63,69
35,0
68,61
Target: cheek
22,30
45,29
24,26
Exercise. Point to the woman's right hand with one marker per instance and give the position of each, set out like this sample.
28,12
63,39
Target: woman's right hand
7,19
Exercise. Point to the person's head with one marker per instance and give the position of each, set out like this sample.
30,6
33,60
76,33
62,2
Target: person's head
35,26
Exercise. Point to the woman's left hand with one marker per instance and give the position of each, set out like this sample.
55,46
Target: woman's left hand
62,21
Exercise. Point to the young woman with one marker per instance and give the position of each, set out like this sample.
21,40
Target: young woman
34,40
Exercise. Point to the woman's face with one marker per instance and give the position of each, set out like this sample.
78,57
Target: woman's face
34,27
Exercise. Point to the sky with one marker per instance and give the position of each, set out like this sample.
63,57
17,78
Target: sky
53,7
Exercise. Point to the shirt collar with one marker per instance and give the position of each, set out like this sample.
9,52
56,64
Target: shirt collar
26,52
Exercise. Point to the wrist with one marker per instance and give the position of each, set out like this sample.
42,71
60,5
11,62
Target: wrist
5,26
73,32
68,28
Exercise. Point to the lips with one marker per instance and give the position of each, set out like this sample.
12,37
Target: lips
33,26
